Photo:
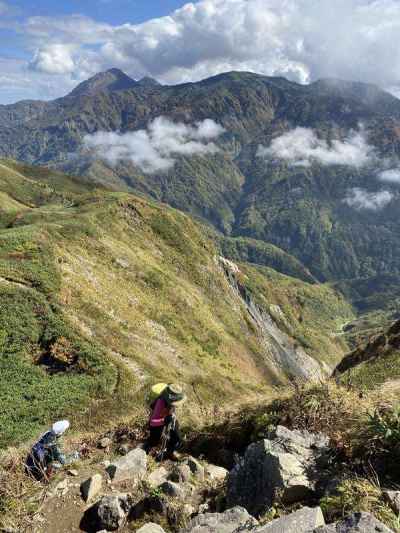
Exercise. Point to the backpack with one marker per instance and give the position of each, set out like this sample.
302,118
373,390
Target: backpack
156,391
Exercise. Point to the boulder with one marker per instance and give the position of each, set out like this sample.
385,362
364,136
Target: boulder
173,489
216,473
131,466
305,519
157,477
150,528
91,487
181,474
356,523
226,522
196,468
149,505
112,511
285,464
392,498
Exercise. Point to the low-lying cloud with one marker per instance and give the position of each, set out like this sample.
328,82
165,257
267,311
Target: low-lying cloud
391,175
155,148
301,146
362,199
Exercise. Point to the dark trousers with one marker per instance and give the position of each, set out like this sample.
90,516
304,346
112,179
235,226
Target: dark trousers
174,439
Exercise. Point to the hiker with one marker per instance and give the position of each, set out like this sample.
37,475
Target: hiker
163,424
46,453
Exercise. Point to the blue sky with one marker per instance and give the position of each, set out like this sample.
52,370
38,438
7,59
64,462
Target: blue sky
111,11
48,46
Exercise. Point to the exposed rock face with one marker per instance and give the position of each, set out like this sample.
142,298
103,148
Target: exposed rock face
305,519
132,466
356,523
91,487
280,349
286,463
110,512
226,522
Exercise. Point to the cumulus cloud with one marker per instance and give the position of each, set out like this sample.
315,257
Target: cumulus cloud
54,59
391,175
154,149
300,146
300,39
361,199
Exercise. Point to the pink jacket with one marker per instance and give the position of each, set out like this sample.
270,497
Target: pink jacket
160,411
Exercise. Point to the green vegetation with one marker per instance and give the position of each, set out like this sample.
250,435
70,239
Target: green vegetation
103,292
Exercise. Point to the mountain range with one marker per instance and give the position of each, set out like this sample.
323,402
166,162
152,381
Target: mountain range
328,215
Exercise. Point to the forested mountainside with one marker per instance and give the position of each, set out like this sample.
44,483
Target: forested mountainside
333,213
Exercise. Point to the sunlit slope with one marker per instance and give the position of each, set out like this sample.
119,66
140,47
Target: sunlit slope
102,293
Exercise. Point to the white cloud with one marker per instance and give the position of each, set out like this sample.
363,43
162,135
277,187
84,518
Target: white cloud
301,39
361,199
391,175
54,59
154,149
301,146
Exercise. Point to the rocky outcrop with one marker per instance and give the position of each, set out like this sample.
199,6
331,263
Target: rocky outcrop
132,466
226,522
284,467
356,523
303,520
111,512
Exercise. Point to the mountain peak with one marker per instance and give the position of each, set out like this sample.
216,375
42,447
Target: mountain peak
148,82
110,80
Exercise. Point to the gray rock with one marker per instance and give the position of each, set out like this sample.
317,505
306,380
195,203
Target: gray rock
157,477
132,466
196,468
285,464
181,474
91,487
392,498
226,522
111,511
173,489
150,528
305,519
105,442
216,473
356,523
124,449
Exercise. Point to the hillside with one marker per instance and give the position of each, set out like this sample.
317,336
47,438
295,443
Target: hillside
375,362
103,293
318,221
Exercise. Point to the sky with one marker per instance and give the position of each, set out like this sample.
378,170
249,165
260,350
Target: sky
47,47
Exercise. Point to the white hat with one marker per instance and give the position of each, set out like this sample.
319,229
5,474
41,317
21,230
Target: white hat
60,427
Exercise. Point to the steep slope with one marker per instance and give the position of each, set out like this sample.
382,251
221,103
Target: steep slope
103,292
374,363
301,210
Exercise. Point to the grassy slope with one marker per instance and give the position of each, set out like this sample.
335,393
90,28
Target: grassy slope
108,291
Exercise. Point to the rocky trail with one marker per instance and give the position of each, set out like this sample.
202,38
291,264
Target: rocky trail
274,486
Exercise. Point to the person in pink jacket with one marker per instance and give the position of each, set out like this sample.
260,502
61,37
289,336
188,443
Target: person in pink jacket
163,417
